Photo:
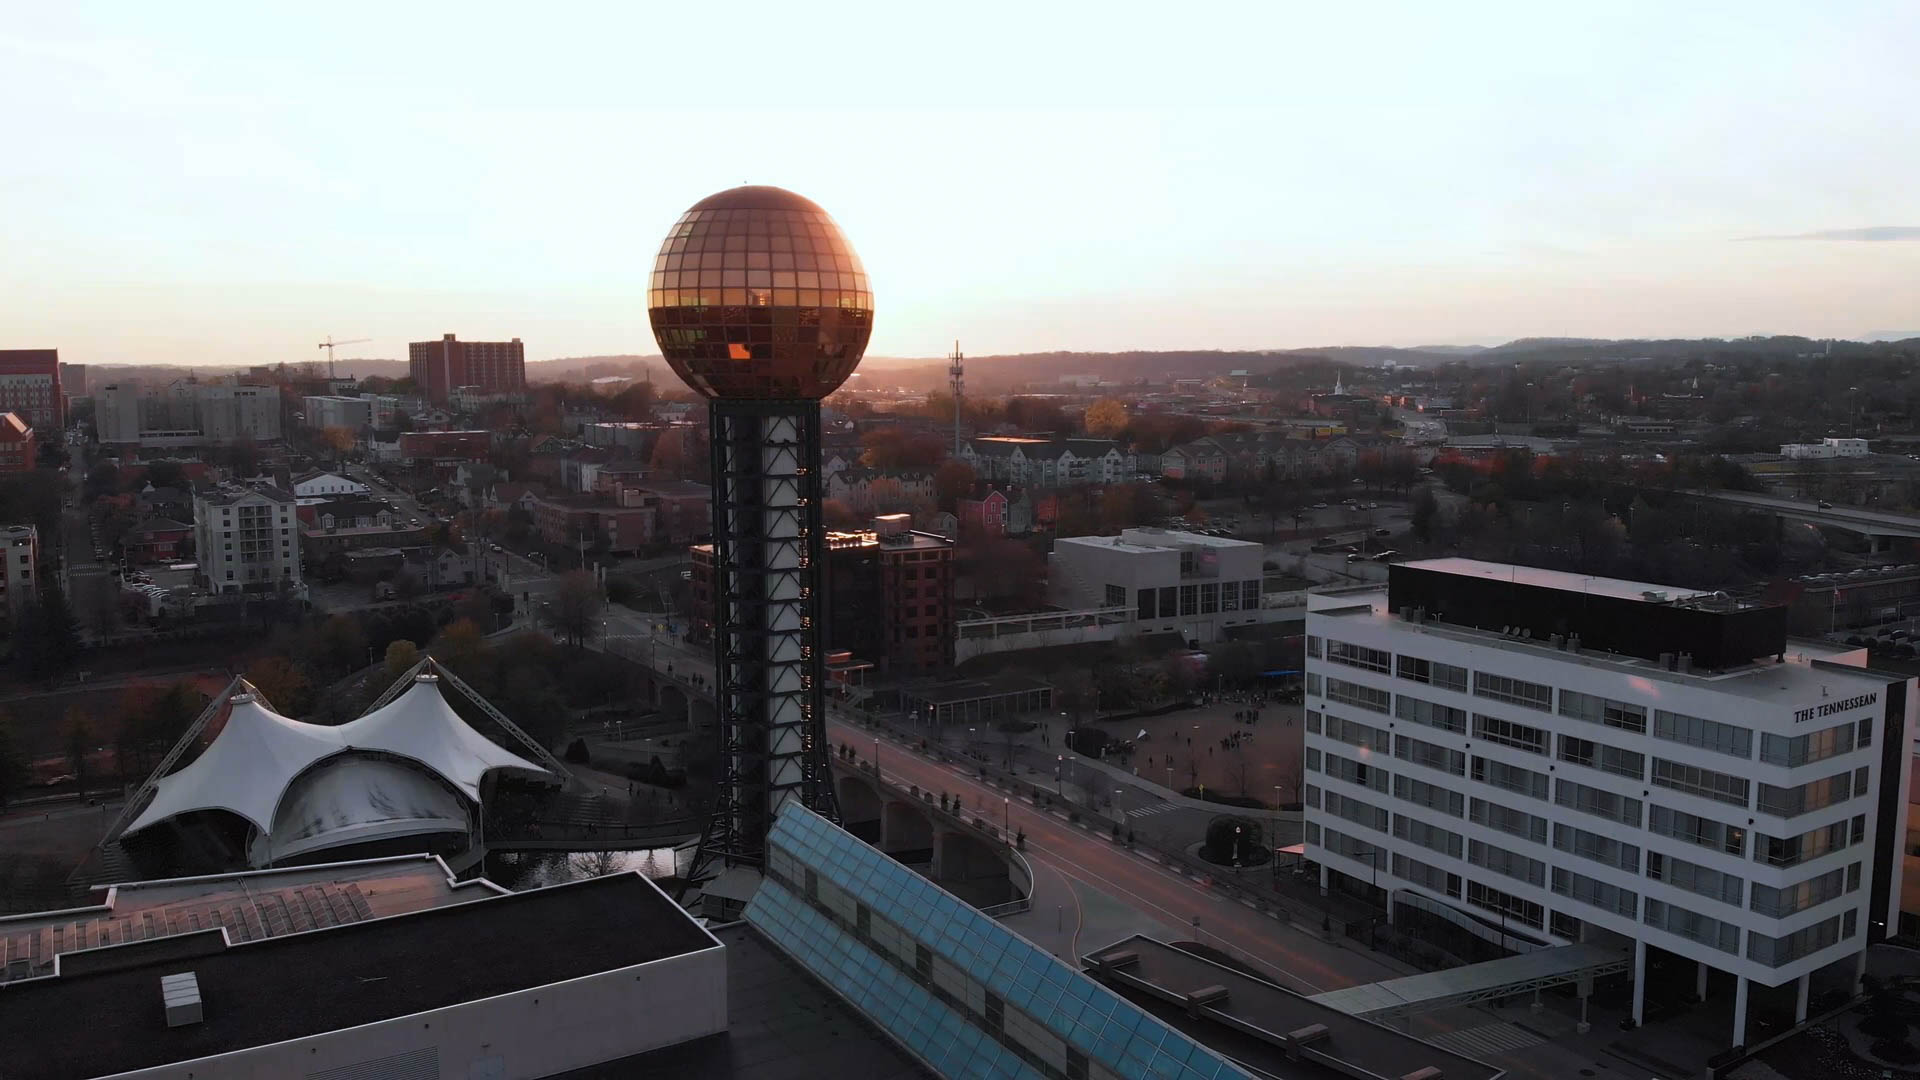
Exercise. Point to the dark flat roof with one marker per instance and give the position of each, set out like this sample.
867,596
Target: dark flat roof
1161,969
305,984
782,1024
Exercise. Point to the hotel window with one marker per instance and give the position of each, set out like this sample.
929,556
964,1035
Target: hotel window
1507,733
1703,733
1704,880
1599,803
1599,710
1116,596
1507,820
1363,697
1444,717
1693,926
1510,863
1510,777
1431,796
1705,832
1502,903
1189,600
1431,755
1601,849
1513,691
1600,756
1357,734
1599,894
1434,673
1808,748
1706,783
1210,598
1794,801
1360,656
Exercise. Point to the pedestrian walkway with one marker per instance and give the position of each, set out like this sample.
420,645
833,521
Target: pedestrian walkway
1485,1040
1157,808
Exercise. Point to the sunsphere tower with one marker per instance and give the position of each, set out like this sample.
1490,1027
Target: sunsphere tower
760,304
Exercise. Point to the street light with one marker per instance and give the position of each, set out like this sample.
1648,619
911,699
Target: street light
1006,814
1059,763
876,759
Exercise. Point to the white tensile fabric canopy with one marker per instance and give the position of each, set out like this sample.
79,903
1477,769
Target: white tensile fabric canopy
354,798
250,765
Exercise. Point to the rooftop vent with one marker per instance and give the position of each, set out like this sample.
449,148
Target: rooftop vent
241,698
426,676
181,996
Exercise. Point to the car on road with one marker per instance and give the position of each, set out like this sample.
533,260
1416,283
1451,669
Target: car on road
1383,532
1319,506
1386,556
1824,505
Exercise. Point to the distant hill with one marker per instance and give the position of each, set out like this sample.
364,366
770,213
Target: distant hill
1890,335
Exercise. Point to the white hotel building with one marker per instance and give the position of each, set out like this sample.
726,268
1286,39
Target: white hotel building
1608,762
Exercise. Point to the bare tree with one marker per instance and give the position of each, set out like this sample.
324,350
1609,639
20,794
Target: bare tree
576,607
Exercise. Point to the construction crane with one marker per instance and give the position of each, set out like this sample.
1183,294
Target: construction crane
330,343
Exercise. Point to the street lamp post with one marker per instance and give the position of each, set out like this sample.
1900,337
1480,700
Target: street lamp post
1059,763
876,759
1006,814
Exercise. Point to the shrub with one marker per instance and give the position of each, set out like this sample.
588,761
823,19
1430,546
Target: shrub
1898,1051
1232,838
577,752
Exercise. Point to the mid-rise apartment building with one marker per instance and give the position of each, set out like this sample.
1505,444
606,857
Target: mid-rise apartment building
246,539
30,386
486,367
1591,760
1188,583
186,413
20,548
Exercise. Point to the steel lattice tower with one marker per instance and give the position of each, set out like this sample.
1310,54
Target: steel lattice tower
760,304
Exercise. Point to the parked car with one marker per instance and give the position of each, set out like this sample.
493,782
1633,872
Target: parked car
1319,506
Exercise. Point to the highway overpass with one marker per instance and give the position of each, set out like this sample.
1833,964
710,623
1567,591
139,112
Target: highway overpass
1881,527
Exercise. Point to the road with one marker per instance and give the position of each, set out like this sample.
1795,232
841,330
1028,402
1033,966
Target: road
1298,960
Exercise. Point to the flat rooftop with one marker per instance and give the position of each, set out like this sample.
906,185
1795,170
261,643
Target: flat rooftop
782,1024
1617,588
1251,1023
1762,680
262,992
251,906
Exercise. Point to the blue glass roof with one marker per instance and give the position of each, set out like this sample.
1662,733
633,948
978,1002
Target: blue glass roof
1085,1014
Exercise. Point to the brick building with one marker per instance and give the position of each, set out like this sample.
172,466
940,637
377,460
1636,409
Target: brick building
889,596
492,367
30,386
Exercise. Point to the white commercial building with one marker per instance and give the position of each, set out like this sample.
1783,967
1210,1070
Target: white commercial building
1825,448
246,539
1189,583
1600,761
320,485
330,410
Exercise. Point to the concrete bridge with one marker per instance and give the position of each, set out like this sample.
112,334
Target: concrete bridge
1881,528
964,851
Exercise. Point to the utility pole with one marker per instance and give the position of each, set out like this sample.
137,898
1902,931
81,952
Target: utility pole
954,372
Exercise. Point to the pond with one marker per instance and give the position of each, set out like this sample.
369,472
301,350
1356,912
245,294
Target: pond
523,870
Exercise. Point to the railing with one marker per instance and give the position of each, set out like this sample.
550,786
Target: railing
1020,872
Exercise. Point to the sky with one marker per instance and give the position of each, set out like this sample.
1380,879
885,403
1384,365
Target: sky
213,183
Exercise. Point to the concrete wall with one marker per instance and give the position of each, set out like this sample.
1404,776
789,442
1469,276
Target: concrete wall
531,1033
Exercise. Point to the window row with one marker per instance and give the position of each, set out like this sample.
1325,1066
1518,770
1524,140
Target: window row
1363,814
1610,759
1431,796
1433,673
1513,691
1598,802
1356,772
1704,880
1431,755
1777,952
1432,837
1815,745
1706,783
1703,733
1601,849
1360,697
1815,795
1507,733
1586,890
1599,710
1809,845
1510,863
1357,734
1360,656
1693,926
1812,892
1508,820
1510,777
1444,717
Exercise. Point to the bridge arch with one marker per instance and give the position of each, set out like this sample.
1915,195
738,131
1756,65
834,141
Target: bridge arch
859,807
906,833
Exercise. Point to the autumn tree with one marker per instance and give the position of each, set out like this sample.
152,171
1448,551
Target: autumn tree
1106,418
337,439
282,681
1009,570
576,607
669,459
401,655
952,481
79,745
898,448
341,645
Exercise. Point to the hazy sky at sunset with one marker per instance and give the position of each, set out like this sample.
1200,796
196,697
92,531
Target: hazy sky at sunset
228,183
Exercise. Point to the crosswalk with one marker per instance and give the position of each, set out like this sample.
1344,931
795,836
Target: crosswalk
1149,811
1486,1039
